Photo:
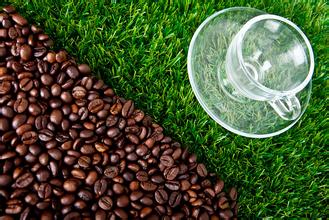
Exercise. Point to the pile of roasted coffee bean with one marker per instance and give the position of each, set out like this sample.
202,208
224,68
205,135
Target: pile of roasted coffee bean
71,149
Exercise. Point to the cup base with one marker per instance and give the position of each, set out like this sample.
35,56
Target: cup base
207,74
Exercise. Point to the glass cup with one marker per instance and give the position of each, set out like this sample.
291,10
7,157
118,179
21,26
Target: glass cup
270,59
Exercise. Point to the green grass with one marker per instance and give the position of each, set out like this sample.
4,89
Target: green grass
140,49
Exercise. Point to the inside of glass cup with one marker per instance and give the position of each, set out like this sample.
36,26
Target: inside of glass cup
275,53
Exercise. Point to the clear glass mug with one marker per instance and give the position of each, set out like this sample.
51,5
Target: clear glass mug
273,74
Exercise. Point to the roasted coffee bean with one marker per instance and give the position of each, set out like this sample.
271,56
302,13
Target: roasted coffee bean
167,160
202,171
170,173
172,185
161,196
44,190
100,187
111,172
24,180
148,186
79,92
105,203
175,199
142,176
96,105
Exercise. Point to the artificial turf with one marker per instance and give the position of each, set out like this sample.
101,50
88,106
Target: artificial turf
140,49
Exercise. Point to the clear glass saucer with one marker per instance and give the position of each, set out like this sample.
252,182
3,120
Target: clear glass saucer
206,67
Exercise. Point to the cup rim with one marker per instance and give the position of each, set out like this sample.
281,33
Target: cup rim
241,36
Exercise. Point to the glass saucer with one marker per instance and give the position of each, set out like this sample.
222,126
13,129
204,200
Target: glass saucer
206,69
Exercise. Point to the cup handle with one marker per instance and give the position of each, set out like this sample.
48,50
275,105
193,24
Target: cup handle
287,107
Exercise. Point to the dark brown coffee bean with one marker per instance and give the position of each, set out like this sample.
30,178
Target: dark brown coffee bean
84,69
71,185
56,116
79,92
233,193
105,203
44,190
86,133
5,87
24,180
175,199
226,214
84,161
161,196
121,213
122,201
85,195
78,173
111,172
145,212
34,109
127,109
29,137
25,52
96,105
26,84
5,180
202,170
45,135
141,176
66,97
148,186
20,105
113,132
171,173
72,71
19,19
167,160
100,187
4,124
172,185
14,206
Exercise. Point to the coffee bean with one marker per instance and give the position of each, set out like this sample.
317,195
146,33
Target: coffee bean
201,170
100,187
19,19
111,172
84,161
24,180
25,52
20,105
4,124
145,212
172,185
5,87
71,185
29,137
105,203
56,116
5,180
26,84
14,206
72,71
142,176
96,105
167,160
44,190
148,186
170,173
86,133
79,92
233,193
174,199
161,196
127,109
122,201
